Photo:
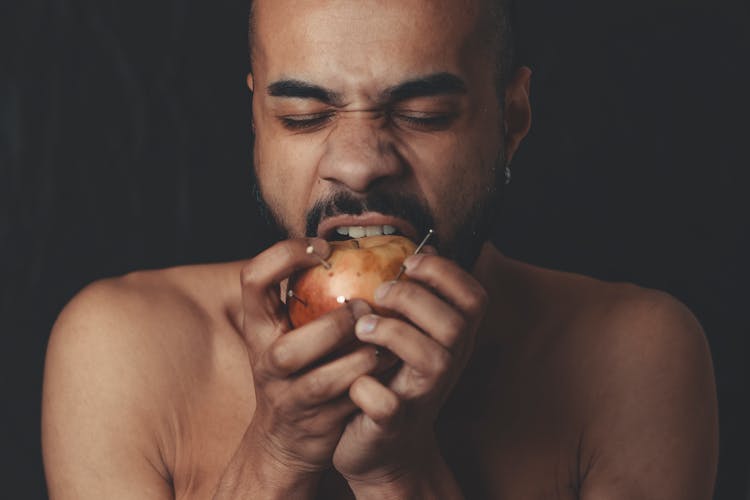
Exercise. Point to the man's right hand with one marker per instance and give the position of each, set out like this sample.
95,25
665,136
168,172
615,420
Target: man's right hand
302,402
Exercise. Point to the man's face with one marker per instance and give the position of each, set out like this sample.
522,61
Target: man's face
372,113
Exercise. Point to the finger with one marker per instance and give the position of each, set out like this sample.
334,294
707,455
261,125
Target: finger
326,418
420,352
333,379
337,410
263,315
451,282
423,308
376,401
301,348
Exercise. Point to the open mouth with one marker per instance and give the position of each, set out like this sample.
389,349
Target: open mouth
342,233
346,227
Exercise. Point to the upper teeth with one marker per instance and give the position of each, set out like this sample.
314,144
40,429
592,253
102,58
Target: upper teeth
362,231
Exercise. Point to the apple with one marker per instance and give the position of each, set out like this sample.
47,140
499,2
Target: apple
357,268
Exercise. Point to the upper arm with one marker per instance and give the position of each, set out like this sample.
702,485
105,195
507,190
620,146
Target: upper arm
98,412
654,430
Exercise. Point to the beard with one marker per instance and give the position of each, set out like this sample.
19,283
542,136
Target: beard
473,229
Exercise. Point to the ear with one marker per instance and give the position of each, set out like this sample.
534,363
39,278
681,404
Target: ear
251,86
517,111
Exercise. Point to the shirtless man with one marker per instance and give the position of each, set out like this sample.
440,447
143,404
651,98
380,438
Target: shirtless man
511,382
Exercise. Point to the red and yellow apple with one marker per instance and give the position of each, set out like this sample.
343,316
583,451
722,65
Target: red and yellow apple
357,268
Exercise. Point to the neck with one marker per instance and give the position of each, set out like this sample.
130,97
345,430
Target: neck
486,270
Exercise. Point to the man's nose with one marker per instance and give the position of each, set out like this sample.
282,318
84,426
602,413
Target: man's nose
359,152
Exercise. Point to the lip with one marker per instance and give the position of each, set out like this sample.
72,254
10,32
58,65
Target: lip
329,225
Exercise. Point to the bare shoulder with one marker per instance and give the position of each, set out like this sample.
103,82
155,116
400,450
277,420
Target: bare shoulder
653,398
151,312
115,363
601,318
636,370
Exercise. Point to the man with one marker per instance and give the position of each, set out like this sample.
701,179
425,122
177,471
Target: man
500,380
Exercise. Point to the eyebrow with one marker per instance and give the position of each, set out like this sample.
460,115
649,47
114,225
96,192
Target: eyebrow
303,90
426,86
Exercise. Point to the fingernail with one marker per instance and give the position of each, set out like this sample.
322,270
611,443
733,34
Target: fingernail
366,324
383,290
321,247
413,261
429,250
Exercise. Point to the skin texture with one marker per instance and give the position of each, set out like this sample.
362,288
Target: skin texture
508,381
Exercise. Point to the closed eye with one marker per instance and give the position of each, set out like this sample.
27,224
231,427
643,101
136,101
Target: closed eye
426,121
305,122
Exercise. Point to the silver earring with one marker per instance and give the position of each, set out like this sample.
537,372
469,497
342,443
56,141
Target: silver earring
508,175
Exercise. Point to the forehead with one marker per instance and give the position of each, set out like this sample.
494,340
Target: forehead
357,42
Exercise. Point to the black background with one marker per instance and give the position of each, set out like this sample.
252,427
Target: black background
124,144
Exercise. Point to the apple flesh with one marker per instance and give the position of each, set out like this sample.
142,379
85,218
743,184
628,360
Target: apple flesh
358,267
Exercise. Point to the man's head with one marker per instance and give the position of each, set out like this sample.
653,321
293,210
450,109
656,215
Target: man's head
397,112
499,24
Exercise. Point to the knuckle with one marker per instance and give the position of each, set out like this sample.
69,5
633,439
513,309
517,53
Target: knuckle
432,366
402,292
389,407
441,363
477,302
247,276
455,324
316,387
426,263
433,263
279,358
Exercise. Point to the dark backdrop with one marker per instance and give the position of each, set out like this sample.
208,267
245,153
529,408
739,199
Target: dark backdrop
125,145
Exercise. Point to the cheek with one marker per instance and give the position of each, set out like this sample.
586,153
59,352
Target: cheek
456,178
459,162
286,175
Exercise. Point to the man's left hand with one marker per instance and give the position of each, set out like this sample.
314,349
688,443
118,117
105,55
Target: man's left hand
392,439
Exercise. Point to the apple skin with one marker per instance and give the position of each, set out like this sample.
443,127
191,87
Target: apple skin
358,267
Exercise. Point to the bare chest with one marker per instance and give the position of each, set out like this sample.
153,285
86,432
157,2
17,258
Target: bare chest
500,439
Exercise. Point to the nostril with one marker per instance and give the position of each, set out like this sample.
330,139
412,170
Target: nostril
358,172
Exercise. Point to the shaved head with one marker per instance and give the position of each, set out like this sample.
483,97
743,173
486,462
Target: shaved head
497,26
392,107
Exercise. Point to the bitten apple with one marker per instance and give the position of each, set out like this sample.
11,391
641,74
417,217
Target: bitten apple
357,268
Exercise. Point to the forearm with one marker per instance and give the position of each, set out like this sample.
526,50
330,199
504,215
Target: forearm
253,473
430,480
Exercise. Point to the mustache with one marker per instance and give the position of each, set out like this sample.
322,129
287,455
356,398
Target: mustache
401,205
